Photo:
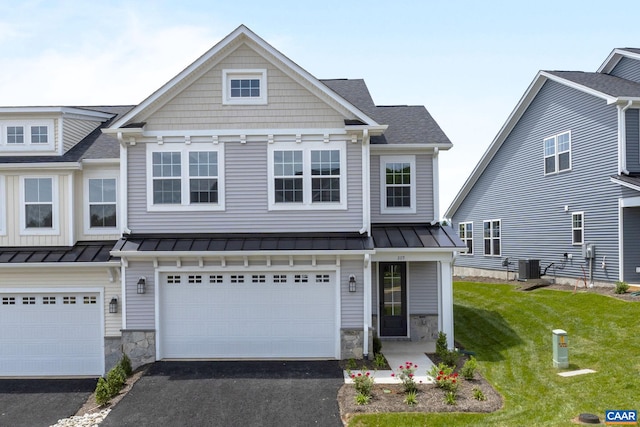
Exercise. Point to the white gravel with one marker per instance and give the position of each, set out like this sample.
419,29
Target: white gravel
87,420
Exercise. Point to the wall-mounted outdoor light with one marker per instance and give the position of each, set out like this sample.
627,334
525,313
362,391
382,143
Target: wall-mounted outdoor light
113,305
142,285
352,283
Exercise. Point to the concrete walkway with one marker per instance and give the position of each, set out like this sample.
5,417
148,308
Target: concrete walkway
399,353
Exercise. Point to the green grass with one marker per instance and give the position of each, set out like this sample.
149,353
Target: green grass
510,332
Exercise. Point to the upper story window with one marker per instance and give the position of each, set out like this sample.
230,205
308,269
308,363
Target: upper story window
465,231
39,205
577,228
101,204
308,175
557,153
491,235
185,177
244,86
398,184
20,134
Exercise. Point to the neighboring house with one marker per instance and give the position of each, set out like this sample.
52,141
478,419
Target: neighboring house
58,221
268,214
557,192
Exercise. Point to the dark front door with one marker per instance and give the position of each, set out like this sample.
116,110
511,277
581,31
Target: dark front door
392,279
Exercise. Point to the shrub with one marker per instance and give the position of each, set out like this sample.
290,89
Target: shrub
377,345
116,379
379,361
351,364
406,376
363,383
469,368
125,362
445,377
621,287
441,344
410,399
103,392
362,399
478,394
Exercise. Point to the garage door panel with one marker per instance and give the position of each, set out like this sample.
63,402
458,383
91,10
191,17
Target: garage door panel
51,334
258,318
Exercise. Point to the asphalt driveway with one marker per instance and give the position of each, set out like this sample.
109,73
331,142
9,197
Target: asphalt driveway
40,403
201,393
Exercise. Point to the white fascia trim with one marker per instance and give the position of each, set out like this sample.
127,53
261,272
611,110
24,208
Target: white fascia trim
39,265
52,289
372,129
614,57
60,165
624,184
58,110
610,99
235,133
99,162
219,47
399,148
217,254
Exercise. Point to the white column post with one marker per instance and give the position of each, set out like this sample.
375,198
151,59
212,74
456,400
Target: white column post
366,284
446,283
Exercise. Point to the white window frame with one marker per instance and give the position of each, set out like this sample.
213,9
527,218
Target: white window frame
26,126
465,237
55,219
306,148
3,207
253,74
556,153
384,209
573,228
88,229
491,237
184,151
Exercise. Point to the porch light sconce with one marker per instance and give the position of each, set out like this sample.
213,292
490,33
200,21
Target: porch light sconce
352,283
142,285
113,305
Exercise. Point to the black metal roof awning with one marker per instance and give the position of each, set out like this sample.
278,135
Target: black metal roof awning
420,236
81,252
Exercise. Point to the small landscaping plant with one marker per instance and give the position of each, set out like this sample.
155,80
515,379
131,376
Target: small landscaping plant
363,383
469,368
445,377
478,394
351,364
450,398
450,357
362,399
406,376
111,385
410,399
379,361
621,287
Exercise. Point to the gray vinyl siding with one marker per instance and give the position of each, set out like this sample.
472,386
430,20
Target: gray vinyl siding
631,247
627,68
74,131
531,206
423,288
424,192
246,193
633,140
351,303
140,307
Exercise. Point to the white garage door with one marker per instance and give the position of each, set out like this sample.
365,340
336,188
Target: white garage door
256,315
51,334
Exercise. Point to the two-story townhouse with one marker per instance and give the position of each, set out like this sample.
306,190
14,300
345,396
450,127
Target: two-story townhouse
556,192
270,214
59,178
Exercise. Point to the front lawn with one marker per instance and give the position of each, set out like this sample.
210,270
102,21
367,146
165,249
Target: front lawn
510,332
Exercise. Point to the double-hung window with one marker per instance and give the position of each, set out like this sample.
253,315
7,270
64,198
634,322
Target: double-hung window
491,235
398,184
465,231
577,228
39,206
307,176
185,177
102,204
557,153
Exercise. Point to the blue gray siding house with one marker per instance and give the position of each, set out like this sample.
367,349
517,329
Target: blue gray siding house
556,192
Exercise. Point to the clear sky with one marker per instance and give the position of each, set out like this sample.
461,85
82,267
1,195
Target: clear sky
468,62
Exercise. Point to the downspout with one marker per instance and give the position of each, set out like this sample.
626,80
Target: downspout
436,186
622,139
124,226
366,184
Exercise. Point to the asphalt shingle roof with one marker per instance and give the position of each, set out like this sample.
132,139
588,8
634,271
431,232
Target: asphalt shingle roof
605,83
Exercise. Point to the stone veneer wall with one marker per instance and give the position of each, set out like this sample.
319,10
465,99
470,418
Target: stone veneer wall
423,327
140,346
112,352
352,344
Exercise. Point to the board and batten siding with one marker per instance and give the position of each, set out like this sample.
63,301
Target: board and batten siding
246,199
531,206
632,130
351,303
199,106
74,131
631,248
422,287
14,209
424,192
627,68
57,278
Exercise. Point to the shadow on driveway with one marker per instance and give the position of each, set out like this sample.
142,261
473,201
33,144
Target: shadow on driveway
41,402
248,393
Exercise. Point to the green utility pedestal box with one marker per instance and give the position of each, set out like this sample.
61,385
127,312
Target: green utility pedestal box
560,349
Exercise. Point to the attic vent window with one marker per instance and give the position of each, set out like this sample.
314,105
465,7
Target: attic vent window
244,87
